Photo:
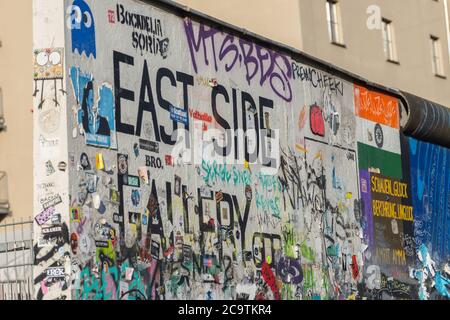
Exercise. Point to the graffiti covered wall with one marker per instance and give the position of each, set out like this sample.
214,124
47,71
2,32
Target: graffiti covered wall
430,185
51,193
204,166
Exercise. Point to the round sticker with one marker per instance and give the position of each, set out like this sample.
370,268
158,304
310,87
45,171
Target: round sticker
379,137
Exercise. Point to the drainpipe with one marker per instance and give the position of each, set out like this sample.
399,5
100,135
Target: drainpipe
447,22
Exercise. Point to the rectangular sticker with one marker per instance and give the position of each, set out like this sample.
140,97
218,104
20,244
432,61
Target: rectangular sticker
377,107
178,115
149,145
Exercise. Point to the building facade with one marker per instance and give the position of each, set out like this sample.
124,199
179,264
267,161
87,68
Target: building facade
16,90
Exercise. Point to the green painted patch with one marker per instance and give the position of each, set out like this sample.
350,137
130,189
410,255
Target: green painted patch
307,252
390,164
308,276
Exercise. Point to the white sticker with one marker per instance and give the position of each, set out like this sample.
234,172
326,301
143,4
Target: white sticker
85,244
394,224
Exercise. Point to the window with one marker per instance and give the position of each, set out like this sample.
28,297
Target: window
4,199
334,22
389,40
2,119
436,56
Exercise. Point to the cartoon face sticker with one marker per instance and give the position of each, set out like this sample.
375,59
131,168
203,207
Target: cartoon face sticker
83,29
48,64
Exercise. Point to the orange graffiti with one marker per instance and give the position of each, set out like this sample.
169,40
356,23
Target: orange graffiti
377,107
302,118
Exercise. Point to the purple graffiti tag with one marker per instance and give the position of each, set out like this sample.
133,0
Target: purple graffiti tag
258,63
227,47
194,44
290,270
250,61
81,226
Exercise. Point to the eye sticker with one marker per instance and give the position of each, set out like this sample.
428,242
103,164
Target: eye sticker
55,58
42,58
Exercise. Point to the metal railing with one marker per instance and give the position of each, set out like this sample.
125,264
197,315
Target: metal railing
16,260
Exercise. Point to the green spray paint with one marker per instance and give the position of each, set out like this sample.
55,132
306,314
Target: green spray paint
289,240
307,252
308,282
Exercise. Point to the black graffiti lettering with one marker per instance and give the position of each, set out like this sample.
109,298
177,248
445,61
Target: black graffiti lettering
147,105
121,93
242,219
165,73
248,106
153,162
146,98
266,133
187,81
260,252
220,90
318,78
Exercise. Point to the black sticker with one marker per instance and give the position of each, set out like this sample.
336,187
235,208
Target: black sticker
379,137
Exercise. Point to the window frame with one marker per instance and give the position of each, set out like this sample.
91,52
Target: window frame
389,41
437,57
334,23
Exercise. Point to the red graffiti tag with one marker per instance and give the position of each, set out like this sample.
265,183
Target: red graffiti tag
111,16
269,278
355,269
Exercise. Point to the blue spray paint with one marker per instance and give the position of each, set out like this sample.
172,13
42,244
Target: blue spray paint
83,32
430,185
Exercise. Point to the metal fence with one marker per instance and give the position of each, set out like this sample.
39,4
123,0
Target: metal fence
16,260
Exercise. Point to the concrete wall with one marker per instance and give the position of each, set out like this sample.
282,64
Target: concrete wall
317,206
15,81
50,155
281,23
